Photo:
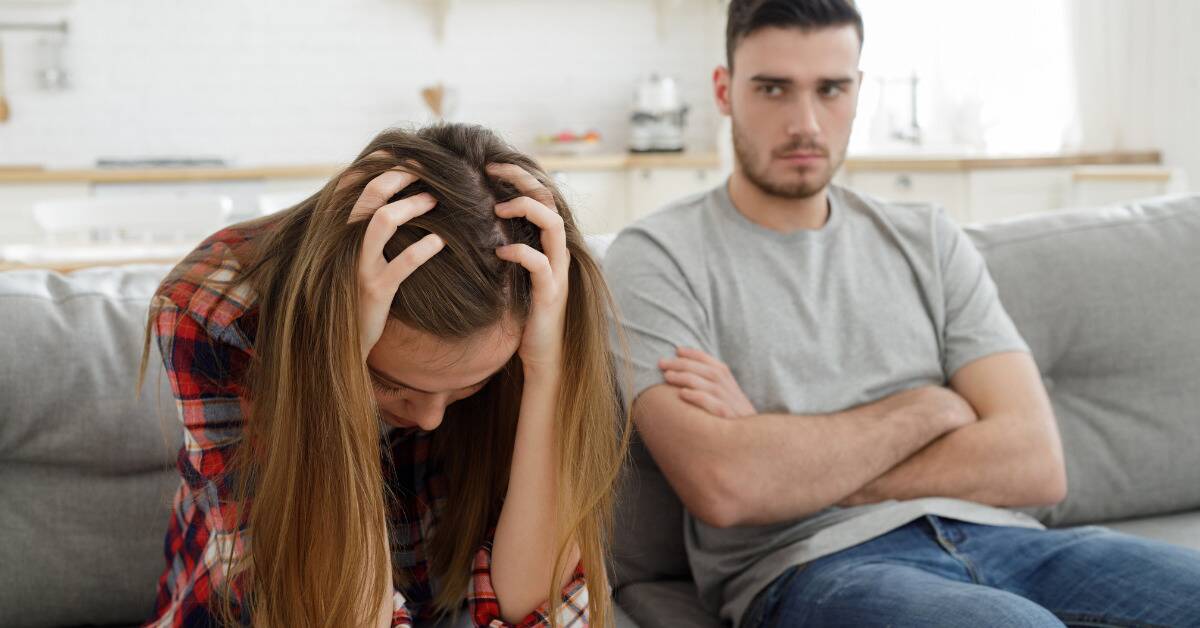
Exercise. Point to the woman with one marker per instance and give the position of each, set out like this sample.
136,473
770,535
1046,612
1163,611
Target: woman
397,396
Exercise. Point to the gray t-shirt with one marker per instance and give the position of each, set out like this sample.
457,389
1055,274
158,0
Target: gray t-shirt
883,298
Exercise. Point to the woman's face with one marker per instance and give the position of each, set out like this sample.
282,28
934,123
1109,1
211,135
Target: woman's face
416,375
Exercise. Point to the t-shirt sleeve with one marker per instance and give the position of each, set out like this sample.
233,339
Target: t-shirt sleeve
975,324
658,309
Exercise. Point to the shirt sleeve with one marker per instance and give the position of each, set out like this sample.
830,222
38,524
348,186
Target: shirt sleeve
659,309
485,609
202,367
976,323
401,618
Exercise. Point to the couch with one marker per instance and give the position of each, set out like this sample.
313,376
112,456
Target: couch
1106,297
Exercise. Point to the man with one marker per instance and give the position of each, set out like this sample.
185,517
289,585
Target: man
834,390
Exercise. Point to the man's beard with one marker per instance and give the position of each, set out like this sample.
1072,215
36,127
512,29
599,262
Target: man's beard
756,172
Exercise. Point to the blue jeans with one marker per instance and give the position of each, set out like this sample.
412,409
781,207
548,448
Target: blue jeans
941,572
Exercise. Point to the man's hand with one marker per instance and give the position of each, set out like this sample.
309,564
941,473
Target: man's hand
706,383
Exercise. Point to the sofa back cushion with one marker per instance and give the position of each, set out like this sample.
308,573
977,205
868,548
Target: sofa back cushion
86,464
1109,301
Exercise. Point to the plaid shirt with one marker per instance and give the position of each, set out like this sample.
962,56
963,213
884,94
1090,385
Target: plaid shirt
205,333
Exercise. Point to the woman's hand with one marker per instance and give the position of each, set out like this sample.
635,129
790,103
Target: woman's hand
378,279
541,348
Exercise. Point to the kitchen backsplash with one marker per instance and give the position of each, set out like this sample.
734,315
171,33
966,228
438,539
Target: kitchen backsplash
273,81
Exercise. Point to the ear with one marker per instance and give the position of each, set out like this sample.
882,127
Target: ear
722,86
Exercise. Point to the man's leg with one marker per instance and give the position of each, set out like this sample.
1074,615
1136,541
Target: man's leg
901,579
899,596
1087,576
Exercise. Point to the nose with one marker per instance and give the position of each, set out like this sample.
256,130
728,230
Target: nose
426,410
803,119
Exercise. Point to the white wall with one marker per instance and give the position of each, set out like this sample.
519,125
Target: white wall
1138,77
273,81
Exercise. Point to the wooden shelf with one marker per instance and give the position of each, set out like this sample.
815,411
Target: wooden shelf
603,161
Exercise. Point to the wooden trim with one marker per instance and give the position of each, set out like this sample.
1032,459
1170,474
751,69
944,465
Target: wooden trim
69,267
563,163
1121,173
145,175
616,161
954,164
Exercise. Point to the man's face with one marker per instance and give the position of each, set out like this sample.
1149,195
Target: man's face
792,96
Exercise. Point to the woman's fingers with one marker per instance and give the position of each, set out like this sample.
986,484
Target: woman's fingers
553,233
385,222
377,192
538,265
410,259
526,183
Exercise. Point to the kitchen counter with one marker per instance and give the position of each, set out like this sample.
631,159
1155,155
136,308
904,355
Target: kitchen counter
944,163
613,161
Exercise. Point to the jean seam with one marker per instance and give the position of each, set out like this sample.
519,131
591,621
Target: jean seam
952,549
1085,620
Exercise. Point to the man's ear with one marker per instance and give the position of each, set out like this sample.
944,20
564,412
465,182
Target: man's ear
722,89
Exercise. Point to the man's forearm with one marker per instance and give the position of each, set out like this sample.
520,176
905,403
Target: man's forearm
787,466
996,461
1011,457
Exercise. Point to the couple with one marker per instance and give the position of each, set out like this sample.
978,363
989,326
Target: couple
399,395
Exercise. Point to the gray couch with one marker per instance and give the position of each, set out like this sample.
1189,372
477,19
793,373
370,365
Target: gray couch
1107,298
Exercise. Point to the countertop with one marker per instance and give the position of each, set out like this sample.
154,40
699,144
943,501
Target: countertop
614,161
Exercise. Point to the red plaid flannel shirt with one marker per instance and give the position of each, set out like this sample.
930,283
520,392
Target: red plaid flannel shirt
205,333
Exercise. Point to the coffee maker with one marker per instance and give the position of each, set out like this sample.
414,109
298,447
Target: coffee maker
659,117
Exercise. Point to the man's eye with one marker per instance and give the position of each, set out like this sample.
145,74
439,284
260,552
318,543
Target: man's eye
831,90
771,90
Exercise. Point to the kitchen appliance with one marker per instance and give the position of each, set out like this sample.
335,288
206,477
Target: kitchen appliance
659,117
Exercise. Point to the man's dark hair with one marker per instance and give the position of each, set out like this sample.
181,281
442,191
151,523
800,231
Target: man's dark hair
748,16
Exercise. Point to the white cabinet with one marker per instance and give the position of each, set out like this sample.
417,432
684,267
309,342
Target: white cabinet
599,199
990,194
1004,193
16,206
948,189
650,189
606,200
1102,185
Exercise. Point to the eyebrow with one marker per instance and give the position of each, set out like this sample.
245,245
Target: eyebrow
781,80
379,375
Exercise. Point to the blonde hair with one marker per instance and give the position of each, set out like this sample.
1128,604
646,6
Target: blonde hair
310,459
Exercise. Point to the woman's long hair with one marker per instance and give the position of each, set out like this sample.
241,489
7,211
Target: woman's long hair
311,460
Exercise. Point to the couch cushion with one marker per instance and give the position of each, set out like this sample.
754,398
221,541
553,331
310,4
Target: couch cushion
87,465
648,531
1108,300
1180,528
666,604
